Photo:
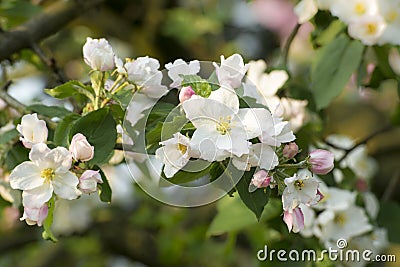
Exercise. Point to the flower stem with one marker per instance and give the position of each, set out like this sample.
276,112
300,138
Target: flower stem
299,165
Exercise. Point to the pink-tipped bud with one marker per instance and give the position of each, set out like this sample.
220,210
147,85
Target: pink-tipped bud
89,180
321,161
80,148
294,219
186,93
261,179
290,150
34,215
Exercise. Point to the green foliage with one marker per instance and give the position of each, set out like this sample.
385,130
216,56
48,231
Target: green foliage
61,134
16,155
333,68
105,192
48,234
49,111
389,217
200,86
183,177
256,200
99,127
8,136
71,88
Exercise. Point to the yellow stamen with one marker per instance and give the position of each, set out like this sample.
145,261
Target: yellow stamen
47,174
223,126
340,219
391,16
182,148
360,9
371,28
299,184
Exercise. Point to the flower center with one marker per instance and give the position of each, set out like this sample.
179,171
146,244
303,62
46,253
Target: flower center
391,16
47,174
299,184
360,9
224,126
371,28
340,219
182,148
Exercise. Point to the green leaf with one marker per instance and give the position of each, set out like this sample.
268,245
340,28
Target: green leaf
256,200
105,192
16,155
330,33
182,177
233,215
49,111
123,97
48,234
389,217
334,65
71,88
198,84
61,134
8,136
99,127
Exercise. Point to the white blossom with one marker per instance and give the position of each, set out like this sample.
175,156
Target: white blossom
98,54
89,180
231,71
47,172
305,10
367,29
174,153
180,67
33,130
35,215
80,148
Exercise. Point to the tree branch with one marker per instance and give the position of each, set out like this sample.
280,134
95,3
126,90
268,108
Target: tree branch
54,18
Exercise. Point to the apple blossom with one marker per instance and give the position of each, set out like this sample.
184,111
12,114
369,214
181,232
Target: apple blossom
33,130
174,153
367,29
145,74
275,131
89,180
180,67
47,172
321,161
34,215
290,150
294,219
231,71
98,54
260,179
300,189
305,10
390,11
80,148
260,155
352,10
186,93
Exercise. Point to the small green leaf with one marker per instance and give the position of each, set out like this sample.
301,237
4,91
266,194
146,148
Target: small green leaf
61,134
71,88
16,155
198,84
99,127
8,136
256,200
330,33
105,192
389,217
334,65
123,97
49,111
182,177
48,234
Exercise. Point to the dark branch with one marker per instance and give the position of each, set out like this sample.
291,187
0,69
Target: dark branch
54,18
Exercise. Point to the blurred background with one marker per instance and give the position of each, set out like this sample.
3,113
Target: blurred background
136,230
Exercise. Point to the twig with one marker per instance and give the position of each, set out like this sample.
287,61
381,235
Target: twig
11,101
54,18
391,187
50,62
288,43
364,141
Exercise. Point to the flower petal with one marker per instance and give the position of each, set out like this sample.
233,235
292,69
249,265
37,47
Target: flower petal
26,176
65,185
36,197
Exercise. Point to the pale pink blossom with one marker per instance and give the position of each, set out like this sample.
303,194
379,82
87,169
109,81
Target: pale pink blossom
80,148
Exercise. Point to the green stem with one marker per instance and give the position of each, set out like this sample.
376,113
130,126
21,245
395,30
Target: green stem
288,44
300,165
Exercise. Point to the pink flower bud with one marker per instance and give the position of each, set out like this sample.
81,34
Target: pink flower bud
80,148
290,150
33,215
186,93
88,181
294,219
321,161
261,179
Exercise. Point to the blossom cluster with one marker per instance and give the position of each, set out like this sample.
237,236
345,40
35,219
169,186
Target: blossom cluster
50,172
371,21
